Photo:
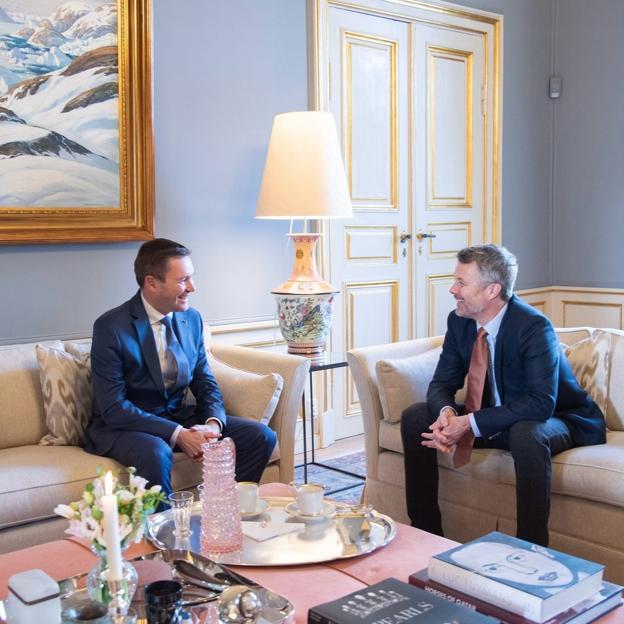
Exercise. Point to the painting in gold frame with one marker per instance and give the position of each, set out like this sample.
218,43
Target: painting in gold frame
76,146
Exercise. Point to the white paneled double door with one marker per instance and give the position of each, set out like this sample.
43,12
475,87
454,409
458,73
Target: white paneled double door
410,102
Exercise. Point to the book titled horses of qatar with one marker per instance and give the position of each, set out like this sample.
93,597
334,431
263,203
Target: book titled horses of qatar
393,602
607,599
530,580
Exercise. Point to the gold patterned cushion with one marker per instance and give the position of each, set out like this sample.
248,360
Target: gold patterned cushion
589,359
67,395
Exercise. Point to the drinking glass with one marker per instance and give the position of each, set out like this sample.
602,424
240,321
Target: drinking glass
181,508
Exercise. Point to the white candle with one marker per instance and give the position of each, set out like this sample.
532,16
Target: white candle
111,529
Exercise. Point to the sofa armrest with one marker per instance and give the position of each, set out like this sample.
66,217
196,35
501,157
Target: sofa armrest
294,370
362,365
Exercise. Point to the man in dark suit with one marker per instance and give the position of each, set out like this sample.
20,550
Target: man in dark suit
146,354
532,404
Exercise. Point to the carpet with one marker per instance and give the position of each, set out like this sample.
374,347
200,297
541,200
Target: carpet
340,487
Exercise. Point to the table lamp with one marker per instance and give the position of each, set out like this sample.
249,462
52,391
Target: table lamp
304,178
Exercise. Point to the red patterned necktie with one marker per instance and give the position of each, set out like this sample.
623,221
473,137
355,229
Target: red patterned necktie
477,373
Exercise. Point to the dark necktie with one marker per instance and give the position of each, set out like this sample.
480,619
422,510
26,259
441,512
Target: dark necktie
477,375
177,373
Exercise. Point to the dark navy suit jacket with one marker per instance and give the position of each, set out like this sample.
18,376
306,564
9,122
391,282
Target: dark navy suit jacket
534,379
129,393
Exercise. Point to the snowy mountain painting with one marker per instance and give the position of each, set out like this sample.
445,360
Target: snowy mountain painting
59,122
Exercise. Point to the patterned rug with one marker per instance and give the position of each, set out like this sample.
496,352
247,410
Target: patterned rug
339,486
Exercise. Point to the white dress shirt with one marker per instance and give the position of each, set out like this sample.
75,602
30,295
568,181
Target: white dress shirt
160,336
491,327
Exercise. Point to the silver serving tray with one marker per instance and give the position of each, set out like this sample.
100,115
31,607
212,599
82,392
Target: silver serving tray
275,608
346,534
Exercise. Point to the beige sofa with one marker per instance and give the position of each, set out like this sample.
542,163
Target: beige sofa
35,478
587,509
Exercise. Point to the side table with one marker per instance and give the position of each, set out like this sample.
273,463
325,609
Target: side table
325,362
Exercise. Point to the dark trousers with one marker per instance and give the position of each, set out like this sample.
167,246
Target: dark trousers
153,457
531,443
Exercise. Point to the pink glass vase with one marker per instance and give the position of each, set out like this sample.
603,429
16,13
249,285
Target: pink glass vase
221,530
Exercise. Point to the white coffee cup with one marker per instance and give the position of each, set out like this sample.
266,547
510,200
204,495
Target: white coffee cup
310,498
248,496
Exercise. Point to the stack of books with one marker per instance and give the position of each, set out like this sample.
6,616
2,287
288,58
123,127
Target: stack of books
519,583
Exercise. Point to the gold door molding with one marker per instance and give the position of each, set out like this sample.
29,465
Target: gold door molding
354,41
436,55
458,18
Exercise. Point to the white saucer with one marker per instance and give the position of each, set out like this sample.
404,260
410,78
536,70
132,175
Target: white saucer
328,511
263,505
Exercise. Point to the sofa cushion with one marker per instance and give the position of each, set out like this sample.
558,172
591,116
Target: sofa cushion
67,395
79,348
37,478
615,405
390,436
247,394
594,473
589,359
404,381
22,418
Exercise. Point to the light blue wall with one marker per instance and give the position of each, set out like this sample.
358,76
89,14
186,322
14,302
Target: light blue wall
589,144
224,68
527,136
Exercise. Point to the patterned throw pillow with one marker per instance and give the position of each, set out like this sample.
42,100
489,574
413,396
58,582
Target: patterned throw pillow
67,395
589,359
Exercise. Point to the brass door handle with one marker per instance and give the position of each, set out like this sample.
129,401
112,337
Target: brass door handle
422,235
405,237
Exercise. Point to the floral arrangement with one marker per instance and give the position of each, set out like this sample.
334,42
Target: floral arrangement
134,501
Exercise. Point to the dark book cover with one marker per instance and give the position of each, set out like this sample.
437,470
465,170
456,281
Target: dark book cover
609,597
394,602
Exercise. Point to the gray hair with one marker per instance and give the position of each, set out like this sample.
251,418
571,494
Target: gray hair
497,265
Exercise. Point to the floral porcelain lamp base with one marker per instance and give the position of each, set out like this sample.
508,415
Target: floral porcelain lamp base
304,301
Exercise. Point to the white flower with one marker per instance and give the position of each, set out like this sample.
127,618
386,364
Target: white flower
125,496
65,510
138,483
86,515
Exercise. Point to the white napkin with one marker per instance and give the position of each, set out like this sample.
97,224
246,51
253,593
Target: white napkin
261,531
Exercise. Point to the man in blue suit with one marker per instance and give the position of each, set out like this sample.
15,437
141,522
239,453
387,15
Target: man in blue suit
145,357
532,404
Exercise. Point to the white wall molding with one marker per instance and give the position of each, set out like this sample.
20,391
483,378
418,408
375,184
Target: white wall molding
577,306
260,335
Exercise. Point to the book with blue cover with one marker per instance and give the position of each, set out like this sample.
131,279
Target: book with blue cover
530,580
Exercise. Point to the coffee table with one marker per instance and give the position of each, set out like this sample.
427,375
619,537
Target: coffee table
305,586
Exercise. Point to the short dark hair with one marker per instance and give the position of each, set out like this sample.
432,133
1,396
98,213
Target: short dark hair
153,257
497,265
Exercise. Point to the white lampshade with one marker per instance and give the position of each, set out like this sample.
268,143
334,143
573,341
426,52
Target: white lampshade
304,176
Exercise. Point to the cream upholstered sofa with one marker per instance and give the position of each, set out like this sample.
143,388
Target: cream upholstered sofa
587,508
35,478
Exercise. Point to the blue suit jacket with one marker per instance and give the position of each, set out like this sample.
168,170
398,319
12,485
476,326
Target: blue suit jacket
128,388
534,379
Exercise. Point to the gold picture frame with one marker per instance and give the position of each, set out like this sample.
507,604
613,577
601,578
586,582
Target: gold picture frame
133,217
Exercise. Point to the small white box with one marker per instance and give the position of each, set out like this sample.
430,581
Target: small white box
33,598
